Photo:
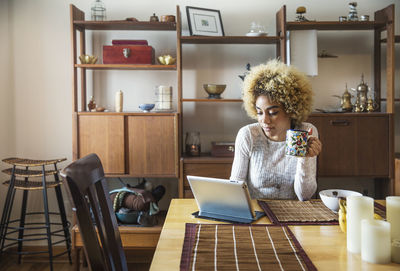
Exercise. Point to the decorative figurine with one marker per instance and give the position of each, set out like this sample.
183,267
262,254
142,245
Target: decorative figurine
300,17
246,72
92,104
353,12
153,18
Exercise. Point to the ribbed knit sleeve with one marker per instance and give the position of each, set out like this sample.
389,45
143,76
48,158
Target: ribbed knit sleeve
241,160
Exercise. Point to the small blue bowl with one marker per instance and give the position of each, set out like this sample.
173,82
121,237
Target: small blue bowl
146,107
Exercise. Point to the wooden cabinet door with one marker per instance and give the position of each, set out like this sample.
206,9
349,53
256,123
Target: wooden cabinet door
353,145
153,146
103,135
373,146
337,134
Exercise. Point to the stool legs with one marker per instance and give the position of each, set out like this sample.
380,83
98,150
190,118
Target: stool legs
22,223
47,218
7,210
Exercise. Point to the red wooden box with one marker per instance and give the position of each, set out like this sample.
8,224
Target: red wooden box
128,54
129,42
223,149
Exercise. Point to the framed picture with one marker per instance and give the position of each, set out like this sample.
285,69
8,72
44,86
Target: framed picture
204,22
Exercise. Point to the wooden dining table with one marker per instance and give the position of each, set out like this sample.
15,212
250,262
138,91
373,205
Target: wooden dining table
325,245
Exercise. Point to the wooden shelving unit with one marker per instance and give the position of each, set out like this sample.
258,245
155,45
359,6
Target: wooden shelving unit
123,140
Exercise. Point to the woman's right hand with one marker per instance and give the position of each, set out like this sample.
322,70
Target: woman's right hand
314,145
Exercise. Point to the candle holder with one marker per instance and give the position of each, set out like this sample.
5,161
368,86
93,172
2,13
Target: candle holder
192,142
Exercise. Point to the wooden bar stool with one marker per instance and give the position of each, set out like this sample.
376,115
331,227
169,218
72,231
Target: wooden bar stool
53,232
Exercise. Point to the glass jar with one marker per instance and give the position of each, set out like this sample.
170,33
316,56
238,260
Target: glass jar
98,11
192,144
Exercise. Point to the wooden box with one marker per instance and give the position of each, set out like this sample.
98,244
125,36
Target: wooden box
128,54
223,149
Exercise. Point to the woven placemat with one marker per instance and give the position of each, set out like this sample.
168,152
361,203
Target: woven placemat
242,247
294,212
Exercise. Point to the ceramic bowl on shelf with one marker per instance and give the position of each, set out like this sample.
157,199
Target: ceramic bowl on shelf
146,107
88,59
214,90
330,197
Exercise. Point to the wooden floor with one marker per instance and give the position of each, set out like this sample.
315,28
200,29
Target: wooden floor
137,260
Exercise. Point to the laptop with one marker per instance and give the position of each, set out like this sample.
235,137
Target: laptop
221,199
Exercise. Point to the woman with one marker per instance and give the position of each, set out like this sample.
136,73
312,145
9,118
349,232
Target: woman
279,97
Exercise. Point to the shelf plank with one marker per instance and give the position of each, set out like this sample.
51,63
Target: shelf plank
125,25
125,67
230,40
213,100
333,25
128,113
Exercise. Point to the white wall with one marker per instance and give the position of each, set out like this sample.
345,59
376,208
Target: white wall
36,72
7,114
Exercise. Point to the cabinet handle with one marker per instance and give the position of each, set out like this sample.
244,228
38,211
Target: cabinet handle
340,122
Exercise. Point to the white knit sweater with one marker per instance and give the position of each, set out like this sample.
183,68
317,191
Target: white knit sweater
270,173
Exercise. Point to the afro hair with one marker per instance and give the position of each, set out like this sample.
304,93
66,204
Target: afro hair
282,84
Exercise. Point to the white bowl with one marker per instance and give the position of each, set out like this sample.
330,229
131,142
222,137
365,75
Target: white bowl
331,199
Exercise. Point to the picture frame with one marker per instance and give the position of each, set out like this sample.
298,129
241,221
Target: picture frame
204,22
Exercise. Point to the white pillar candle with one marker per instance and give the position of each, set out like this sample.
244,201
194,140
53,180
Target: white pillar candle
375,241
393,217
119,100
358,208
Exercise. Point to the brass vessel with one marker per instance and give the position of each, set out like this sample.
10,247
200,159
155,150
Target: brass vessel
345,101
371,105
362,90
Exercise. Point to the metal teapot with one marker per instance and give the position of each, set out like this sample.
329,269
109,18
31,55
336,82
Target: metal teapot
362,91
345,101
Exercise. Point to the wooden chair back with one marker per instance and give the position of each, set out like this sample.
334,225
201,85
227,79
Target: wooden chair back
94,212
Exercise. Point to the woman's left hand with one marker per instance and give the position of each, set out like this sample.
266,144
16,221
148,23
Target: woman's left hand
314,145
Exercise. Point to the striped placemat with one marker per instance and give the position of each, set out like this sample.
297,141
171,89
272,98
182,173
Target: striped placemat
242,247
294,212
